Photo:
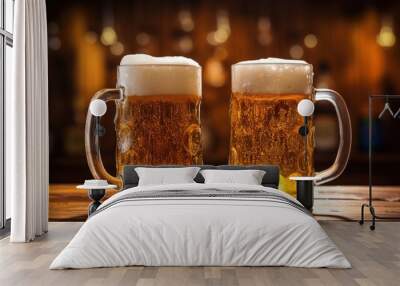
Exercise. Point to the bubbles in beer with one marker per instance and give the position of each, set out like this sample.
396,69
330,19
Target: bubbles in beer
265,129
158,121
264,119
153,130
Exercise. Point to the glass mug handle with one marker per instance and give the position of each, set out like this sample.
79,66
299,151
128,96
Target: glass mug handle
345,135
92,144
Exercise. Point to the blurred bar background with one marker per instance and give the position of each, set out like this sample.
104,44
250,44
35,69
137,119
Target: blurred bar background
351,44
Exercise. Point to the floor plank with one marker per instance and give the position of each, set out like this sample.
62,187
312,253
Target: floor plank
374,255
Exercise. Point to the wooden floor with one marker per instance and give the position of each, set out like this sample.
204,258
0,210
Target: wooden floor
374,255
66,203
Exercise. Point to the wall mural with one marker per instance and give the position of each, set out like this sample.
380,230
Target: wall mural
351,45
88,40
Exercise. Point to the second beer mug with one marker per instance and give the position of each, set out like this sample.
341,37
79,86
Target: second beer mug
265,123
157,117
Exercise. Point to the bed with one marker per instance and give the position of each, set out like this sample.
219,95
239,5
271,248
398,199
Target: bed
199,224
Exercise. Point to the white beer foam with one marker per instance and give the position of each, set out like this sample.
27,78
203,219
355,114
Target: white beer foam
143,59
272,75
142,74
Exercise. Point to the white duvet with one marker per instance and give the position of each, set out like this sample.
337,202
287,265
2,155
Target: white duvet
200,231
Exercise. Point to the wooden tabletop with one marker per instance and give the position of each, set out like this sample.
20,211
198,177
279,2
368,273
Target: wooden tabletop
66,203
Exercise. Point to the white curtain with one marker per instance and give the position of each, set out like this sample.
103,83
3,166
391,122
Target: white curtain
27,124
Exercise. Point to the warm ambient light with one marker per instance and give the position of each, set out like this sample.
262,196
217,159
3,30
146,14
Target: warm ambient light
296,52
185,44
143,39
221,53
264,31
186,20
117,49
218,37
221,35
310,41
223,31
215,74
108,36
386,38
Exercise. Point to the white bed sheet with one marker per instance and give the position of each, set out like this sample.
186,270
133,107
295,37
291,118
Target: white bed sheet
200,231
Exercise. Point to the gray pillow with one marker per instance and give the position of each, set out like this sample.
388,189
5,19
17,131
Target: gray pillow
247,177
165,176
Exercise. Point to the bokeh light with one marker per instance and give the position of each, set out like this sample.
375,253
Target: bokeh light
117,49
386,38
54,43
143,39
185,44
108,36
310,41
186,20
296,52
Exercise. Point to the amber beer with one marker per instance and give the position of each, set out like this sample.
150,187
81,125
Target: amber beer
158,129
158,121
157,117
264,119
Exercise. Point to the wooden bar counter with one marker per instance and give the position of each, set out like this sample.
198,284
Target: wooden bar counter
66,203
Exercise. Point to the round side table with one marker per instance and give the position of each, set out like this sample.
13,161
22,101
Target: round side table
95,193
305,191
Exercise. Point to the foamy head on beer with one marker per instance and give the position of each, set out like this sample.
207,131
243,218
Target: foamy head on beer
272,76
142,74
264,119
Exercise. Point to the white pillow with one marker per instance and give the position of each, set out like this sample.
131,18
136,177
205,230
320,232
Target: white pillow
165,176
248,177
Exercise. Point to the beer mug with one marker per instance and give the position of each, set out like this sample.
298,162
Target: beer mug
157,117
265,122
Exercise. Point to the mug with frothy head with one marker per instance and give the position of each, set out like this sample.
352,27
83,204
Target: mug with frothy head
157,117
265,122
